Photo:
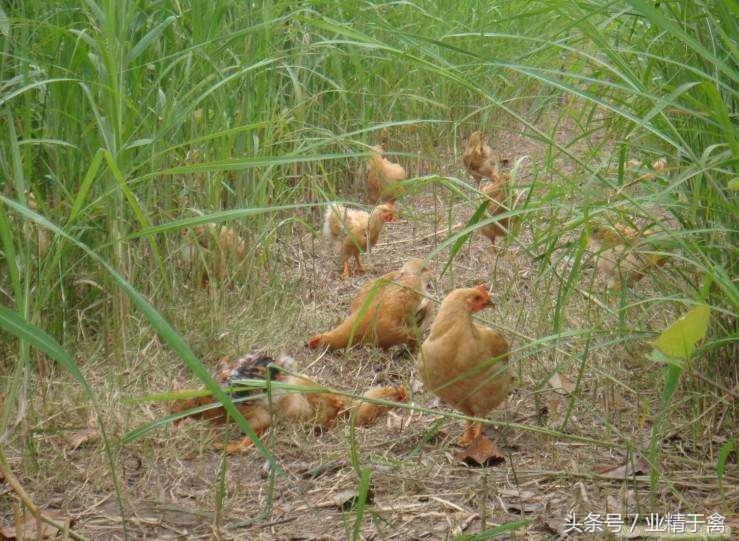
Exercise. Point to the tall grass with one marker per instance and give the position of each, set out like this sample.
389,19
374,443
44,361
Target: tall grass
125,121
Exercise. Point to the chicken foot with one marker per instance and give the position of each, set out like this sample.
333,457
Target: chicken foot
473,431
346,272
358,269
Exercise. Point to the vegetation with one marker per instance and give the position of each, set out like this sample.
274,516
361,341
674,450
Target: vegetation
125,124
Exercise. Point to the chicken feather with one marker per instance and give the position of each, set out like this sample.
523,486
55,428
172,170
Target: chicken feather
303,401
386,312
463,363
355,231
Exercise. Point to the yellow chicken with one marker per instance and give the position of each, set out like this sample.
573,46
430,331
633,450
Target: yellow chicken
622,254
463,363
382,177
386,312
226,245
355,231
478,158
496,192
300,403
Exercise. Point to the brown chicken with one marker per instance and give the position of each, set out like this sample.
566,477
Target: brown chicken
386,312
463,363
621,253
303,403
382,177
226,245
355,231
496,191
478,158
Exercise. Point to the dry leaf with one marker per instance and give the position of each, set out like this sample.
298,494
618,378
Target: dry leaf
561,384
28,528
481,452
77,438
347,499
633,467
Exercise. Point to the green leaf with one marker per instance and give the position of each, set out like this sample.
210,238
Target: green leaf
659,357
4,23
149,38
364,486
734,184
723,456
679,339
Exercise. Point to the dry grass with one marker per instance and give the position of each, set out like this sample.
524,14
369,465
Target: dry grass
170,476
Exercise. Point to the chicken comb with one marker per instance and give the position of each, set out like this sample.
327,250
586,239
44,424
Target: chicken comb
482,286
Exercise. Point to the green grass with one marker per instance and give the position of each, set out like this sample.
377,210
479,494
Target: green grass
125,122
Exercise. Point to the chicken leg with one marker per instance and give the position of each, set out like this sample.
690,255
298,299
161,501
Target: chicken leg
473,431
346,273
358,265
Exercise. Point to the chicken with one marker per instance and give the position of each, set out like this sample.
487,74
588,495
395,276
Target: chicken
224,242
463,363
386,312
496,191
355,231
618,233
477,157
302,401
621,253
382,177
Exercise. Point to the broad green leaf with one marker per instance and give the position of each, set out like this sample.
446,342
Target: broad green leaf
679,339
734,184
659,357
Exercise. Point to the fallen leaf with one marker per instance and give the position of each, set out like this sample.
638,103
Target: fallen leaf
77,438
481,452
633,467
28,528
561,384
347,499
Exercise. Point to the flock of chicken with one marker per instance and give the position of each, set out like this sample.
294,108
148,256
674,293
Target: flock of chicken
463,363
